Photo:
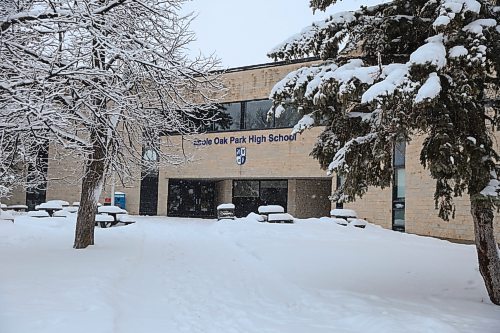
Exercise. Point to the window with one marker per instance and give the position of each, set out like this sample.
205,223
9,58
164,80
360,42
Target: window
256,114
248,195
246,188
233,110
399,188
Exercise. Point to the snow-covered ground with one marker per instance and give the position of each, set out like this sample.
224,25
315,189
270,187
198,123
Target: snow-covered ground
189,275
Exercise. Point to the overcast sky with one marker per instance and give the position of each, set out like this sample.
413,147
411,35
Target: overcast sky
241,32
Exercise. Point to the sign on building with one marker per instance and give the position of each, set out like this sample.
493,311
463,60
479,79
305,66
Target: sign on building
241,155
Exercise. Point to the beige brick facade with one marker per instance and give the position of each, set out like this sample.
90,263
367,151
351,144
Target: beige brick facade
308,185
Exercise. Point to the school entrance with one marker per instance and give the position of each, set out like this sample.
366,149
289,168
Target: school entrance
191,198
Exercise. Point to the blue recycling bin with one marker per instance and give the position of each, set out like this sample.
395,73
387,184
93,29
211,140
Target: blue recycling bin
120,199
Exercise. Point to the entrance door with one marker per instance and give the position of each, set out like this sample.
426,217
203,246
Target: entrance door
148,200
191,198
248,195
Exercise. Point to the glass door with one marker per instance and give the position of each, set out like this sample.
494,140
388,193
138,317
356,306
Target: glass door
191,198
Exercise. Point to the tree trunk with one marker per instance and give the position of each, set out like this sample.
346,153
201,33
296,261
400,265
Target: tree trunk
91,190
487,248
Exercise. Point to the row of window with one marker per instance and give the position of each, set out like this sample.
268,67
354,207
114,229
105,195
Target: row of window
253,115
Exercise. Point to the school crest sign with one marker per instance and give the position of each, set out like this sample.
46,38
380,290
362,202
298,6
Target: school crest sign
241,155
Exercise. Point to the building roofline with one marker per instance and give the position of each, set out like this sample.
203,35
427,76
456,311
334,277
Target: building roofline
268,64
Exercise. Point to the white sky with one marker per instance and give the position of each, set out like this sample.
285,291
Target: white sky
241,32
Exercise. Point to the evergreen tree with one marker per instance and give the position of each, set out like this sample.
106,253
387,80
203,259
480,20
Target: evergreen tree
408,68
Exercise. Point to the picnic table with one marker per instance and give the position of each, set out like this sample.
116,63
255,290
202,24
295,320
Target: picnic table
38,213
50,207
17,208
280,218
6,216
270,209
225,211
111,210
104,220
116,213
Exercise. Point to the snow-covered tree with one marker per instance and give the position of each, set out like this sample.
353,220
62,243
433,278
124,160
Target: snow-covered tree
103,79
409,68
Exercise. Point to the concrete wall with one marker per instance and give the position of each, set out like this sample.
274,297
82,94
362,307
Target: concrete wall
310,197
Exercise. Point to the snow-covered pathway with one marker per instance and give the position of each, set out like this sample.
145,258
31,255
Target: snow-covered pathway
175,275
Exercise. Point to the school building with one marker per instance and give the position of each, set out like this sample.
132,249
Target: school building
257,161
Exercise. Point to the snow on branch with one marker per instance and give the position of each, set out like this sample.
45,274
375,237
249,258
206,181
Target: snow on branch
339,160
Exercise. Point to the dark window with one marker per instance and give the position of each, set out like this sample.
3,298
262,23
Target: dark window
248,195
399,187
191,198
340,182
256,114
399,154
253,115
233,110
246,188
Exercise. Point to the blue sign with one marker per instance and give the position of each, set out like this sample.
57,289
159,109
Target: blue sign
241,155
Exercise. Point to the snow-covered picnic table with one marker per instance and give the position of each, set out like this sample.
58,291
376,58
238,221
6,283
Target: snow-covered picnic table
6,216
275,214
17,208
116,213
104,220
225,211
50,206
280,218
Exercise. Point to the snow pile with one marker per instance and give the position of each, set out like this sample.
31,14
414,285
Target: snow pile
193,275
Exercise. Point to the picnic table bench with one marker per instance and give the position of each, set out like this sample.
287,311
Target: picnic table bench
17,208
225,211
279,218
264,211
112,216
6,216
